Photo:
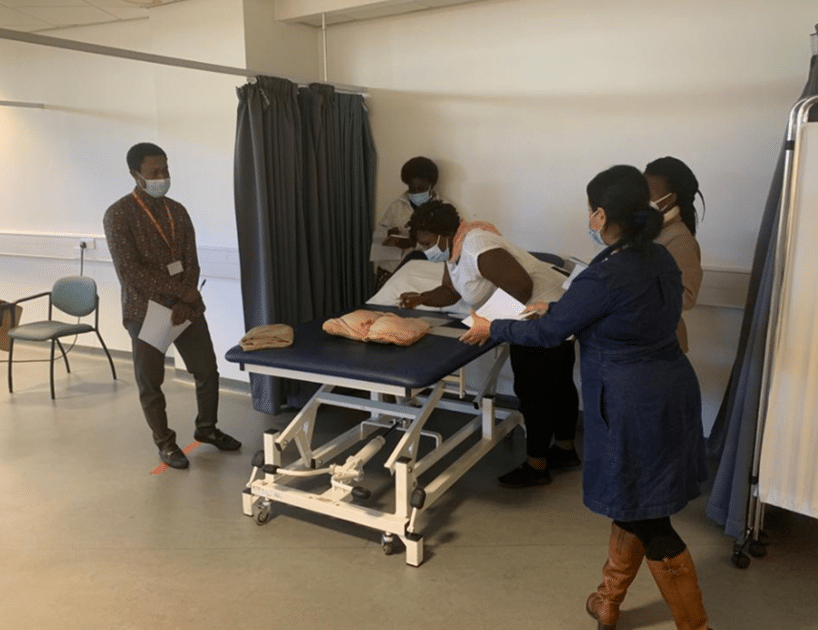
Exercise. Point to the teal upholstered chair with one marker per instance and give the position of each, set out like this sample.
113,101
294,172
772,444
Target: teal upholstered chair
73,295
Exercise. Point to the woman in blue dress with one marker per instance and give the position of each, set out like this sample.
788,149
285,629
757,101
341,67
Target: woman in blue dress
644,448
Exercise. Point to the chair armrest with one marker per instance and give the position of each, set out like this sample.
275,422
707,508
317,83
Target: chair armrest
30,297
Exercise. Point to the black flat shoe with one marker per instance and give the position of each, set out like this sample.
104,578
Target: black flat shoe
562,459
174,457
220,440
526,476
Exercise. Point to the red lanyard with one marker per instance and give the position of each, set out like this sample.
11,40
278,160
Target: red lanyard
170,243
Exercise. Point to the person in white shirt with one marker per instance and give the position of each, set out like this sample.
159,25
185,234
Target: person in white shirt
391,242
478,261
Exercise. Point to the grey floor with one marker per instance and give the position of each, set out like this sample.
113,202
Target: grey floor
89,539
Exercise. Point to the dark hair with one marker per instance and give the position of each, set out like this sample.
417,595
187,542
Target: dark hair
622,191
437,217
681,181
138,152
420,167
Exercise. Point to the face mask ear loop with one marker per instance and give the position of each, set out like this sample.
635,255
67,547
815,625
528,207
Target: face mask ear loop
595,212
655,204
704,205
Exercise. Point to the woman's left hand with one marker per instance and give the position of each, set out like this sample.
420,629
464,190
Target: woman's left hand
480,331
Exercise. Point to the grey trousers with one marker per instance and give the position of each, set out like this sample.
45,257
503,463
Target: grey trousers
196,348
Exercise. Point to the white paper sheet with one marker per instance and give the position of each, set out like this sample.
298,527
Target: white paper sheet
158,329
418,276
579,267
499,306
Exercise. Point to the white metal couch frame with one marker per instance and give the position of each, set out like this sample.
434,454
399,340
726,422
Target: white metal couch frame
269,481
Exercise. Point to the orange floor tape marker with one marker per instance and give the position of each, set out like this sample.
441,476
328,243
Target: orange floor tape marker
163,467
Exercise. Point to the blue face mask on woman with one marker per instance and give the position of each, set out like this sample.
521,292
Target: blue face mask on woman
595,235
434,253
418,199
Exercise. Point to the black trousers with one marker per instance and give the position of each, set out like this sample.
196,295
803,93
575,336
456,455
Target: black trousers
196,348
657,536
544,385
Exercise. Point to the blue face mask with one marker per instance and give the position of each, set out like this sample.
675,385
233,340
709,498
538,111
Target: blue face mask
418,199
596,238
434,254
595,235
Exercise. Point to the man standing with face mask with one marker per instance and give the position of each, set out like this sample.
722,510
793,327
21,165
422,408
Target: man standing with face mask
153,247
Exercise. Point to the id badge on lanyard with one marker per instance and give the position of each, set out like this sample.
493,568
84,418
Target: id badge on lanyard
175,267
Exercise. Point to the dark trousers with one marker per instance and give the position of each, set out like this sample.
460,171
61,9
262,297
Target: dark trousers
196,348
544,385
657,536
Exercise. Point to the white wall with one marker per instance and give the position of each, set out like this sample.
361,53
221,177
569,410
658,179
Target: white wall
65,164
196,111
523,101
279,49
519,101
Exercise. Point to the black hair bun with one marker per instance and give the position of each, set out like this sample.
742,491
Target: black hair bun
641,217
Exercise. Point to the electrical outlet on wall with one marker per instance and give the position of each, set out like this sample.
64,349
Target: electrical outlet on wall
90,243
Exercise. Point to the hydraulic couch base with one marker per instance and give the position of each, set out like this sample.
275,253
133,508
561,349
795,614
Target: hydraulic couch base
270,482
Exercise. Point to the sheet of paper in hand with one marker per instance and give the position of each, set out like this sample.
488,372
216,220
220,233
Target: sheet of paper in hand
499,306
158,329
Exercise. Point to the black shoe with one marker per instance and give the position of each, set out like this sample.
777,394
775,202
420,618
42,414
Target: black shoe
174,457
562,459
525,476
220,440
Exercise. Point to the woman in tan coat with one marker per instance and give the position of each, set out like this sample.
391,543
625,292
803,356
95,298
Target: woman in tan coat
673,188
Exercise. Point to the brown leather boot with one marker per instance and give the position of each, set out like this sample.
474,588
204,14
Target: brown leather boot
677,581
625,554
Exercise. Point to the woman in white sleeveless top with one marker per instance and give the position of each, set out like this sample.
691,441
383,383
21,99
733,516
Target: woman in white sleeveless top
478,261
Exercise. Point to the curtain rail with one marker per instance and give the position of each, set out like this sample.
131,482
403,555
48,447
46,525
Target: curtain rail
21,104
133,55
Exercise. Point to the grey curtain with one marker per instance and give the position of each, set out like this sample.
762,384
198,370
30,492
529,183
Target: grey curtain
304,178
732,439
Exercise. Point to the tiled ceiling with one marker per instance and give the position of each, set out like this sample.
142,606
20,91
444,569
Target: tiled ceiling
45,15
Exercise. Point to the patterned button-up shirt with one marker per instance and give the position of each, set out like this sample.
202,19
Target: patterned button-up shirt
141,256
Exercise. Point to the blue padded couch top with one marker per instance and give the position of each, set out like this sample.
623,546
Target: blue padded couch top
420,365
